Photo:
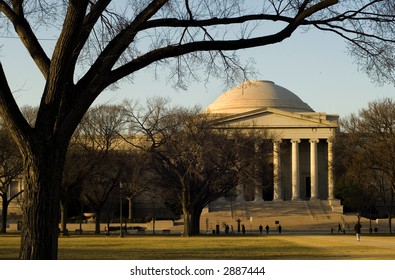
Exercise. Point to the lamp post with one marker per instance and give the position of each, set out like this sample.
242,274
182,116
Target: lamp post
120,208
130,206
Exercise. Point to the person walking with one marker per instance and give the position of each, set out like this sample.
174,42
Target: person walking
357,228
260,229
280,228
267,229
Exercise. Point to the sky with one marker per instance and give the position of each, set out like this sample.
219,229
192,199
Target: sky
314,65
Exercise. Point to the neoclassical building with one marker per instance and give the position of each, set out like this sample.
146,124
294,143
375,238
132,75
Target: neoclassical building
302,138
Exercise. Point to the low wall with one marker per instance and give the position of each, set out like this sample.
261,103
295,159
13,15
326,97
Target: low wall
90,227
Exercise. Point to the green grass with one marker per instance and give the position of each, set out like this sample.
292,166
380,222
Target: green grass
212,247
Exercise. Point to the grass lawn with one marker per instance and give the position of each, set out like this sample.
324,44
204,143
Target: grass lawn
274,247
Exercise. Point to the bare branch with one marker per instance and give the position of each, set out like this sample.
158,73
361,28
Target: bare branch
27,35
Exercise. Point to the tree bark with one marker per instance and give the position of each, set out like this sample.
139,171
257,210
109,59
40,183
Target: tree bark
192,221
40,223
4,212
195,221
187,222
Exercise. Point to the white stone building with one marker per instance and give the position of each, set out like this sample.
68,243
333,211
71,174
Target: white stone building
302,138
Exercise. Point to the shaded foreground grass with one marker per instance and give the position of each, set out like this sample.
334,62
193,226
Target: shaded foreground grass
273,247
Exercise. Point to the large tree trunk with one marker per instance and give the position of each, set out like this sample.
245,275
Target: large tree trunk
195,221
4,212
97,221
191,221
41,199
187,221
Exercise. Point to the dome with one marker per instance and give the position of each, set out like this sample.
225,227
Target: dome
252,95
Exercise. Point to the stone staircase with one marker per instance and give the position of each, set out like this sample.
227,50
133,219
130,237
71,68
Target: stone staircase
291,214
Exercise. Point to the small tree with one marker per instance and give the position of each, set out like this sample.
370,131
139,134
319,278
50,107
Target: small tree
103,181
10,171
138,179
98,133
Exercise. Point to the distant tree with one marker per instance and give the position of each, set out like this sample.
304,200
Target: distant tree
10,171
105,178
368,157
98,133
193,159
138,177
349,168
100,42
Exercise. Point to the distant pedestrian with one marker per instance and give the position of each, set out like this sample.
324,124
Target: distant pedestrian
339,228
280,228
357,228
267,229
260,229
243,229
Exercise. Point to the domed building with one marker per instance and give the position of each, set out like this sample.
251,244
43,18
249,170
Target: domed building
255,95
302,138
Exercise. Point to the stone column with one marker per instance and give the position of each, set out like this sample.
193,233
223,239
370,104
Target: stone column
277,191
331,194
314,168
295,169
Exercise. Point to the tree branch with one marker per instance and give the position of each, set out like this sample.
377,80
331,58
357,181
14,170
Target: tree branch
212,45
89,22
56,97
119,43
11,114
27,36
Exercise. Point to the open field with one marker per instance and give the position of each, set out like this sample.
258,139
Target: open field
273,247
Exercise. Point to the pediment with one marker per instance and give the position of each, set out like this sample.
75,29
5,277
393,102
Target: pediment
275,118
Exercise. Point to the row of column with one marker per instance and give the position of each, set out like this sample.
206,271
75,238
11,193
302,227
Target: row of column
296,171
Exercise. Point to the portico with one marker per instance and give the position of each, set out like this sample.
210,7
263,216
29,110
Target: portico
315,175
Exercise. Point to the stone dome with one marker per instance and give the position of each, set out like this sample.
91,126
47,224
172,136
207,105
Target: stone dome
252,95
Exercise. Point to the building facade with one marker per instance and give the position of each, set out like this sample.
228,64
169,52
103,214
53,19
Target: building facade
302,138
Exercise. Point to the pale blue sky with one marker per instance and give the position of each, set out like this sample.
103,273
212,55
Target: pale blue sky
314,65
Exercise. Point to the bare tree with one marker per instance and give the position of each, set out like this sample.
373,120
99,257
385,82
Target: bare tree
98,134
351,177
101,42
10,171
103,181
138,177
192,158
371,151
